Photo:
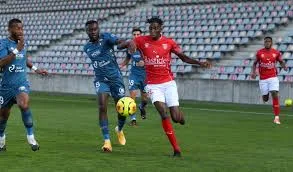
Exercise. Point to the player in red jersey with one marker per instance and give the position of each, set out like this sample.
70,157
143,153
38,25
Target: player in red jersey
162,89
267,58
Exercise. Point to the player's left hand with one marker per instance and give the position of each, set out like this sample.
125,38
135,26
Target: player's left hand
42,72
206,64
286,68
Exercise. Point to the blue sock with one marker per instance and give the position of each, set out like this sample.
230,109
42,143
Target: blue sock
104,128
27,120
121,122
143,104
3,123
133,117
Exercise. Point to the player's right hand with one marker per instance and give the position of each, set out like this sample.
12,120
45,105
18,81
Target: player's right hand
20,43
253,75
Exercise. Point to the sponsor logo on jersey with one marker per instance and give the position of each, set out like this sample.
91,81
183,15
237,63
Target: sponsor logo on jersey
156,61
268,65
14,68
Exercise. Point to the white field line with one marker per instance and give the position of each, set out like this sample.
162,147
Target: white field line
194,108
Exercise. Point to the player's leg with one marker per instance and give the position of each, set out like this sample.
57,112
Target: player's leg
157,96
172,101
264,89
274,90
133,87
4,115
22,100
117,92
133,94
103,121
103,91
144,100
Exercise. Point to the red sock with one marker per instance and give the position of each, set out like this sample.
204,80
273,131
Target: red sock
276,106
170,133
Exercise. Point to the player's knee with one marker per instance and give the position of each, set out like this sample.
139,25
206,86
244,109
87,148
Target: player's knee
274,94
24,106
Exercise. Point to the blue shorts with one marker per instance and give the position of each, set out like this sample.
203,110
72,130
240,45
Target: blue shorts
136,83
115,88
8,94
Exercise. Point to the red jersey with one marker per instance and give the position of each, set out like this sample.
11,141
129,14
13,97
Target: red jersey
267,59
157,57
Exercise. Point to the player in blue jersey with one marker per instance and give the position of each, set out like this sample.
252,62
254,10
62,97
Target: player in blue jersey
136,78
14,86
108,77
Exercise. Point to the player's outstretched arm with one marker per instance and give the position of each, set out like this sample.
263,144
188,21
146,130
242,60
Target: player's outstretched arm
283,65
189,60
253,69
34,68
130,45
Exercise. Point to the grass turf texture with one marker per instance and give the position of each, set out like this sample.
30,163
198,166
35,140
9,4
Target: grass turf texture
212,139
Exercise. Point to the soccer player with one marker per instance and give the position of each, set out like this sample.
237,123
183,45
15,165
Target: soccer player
156,50
108,77
136,78
14,86
267,58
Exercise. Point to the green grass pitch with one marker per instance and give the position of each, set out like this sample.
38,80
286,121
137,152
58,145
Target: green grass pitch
217,137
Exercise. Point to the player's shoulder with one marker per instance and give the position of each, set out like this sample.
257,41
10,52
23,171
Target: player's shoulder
105,35
3,43
275,51
86,46
168,39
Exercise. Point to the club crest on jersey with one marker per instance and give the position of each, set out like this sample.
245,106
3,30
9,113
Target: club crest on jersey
146,45
262,55
22,88
165,46
274,55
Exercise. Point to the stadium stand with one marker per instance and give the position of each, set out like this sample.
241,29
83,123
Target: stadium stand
205,29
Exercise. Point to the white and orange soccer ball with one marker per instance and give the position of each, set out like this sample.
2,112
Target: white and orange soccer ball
126,106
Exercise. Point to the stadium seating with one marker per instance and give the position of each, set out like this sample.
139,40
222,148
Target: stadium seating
205,29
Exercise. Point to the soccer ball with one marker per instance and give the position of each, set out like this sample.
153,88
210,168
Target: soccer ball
126,106
288,102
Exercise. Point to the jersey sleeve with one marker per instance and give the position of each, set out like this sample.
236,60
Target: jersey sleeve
3,49
279,56
175,47
111,38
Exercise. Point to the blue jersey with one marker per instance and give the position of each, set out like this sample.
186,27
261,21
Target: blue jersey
14,74
103,59
135,58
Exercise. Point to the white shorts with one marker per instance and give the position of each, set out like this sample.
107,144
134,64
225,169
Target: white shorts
165,92
267,85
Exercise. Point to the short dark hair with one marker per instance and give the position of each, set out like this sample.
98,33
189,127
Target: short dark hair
155,20
268,37
13,21
136,29
91,22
